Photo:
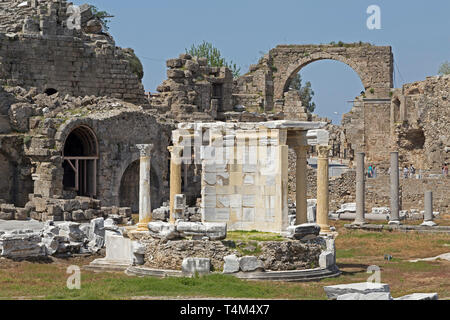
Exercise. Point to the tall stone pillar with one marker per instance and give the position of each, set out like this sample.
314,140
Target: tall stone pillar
428,215
395,185
322,189
145,207
175,178
360,189
301,181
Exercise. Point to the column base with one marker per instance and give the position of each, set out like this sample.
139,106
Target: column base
142,227
429,223
358,223
395,222
324,229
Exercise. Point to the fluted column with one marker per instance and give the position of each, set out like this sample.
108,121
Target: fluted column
175,177
322,189
300,177
145,207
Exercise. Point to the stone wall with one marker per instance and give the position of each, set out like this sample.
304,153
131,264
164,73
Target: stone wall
37,49
275,255
194,89
421,113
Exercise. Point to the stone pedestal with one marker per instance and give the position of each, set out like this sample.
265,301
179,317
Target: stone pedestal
360,189
300,177
395,184
145,208
322,188
175,178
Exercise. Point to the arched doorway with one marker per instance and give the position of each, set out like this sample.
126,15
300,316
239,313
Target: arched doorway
129,188
80,155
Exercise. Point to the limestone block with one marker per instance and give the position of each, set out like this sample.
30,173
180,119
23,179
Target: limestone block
248,200
223,201
347,207
174,63
180,202
419,296
381,210
125,212
248,214
163,230
235,200
306,231
96,228
72,231
21,214
231,264
249,179
363,287
21,245
6,215
214,231
78,215
368,296
250,263
192,266
317,137
326,259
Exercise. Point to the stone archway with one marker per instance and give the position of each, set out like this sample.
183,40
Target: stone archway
129,187
80,155
373,64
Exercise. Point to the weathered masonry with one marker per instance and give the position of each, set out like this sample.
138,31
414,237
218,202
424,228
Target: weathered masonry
245,170
37,49
271,77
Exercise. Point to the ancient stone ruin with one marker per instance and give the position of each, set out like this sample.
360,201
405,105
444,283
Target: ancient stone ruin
82,149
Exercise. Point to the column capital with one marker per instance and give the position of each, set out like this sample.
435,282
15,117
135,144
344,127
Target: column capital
323,151
145,149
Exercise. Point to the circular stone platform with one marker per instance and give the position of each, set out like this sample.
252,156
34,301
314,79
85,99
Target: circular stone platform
288,276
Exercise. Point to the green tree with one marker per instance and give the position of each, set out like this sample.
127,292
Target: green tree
444,68
306,92
213,56
102,16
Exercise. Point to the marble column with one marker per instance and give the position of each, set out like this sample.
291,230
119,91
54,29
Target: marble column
395,185
145,208
175,178
360,189
322,189
300,177
428,214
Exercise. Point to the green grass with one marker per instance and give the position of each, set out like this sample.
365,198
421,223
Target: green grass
356,250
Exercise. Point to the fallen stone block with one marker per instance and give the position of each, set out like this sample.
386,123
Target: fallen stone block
231,264
21,214
6,215
21,245
250,263
198,230
306,231
326,259
192,266
419,296
368,296
163,230
363,287
72,231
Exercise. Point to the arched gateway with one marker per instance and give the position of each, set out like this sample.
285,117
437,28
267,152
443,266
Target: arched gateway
373,64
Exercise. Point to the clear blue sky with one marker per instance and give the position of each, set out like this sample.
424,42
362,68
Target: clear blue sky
418,31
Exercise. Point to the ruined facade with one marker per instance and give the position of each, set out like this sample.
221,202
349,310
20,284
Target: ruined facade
38,49
72,110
